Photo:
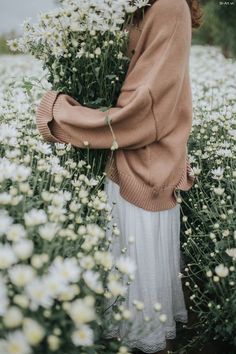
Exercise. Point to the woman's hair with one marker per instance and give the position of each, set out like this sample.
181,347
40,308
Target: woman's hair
194,6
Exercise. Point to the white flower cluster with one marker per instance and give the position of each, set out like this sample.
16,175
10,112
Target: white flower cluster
210,227
13,171
71,23
83,45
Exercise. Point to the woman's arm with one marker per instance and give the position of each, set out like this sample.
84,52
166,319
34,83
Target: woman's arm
132,121
146,106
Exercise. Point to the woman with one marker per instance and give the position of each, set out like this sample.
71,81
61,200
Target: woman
151,122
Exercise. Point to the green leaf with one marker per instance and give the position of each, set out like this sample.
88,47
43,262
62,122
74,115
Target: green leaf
27,85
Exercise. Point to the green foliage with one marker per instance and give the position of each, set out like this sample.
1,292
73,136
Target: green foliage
225,31
218,26
206,33
3,46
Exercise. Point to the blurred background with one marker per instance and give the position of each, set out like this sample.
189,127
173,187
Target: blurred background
14,12
218,27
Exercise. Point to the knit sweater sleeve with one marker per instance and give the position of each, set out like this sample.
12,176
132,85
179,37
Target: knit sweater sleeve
148,100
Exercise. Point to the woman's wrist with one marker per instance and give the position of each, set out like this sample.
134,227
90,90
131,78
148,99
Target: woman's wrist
44,114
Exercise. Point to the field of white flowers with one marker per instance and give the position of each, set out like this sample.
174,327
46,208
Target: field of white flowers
57,275
55,267
209,225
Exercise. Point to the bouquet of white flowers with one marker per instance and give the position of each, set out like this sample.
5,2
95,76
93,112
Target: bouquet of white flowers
83,45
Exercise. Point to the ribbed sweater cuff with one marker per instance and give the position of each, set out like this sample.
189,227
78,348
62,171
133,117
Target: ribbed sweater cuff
44,115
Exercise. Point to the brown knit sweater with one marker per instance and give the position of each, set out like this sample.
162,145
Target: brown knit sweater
152,118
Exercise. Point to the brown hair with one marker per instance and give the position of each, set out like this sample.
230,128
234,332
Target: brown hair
194,6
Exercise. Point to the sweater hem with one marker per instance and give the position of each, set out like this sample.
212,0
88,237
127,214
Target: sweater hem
148,197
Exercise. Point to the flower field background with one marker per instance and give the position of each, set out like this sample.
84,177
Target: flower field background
209,225
53,279
60,288
55,270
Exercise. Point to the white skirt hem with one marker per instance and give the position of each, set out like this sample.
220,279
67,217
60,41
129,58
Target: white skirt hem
156,251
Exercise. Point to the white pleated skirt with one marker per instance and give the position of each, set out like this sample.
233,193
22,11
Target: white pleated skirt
156,252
